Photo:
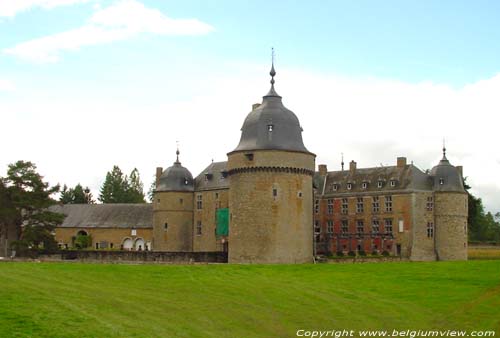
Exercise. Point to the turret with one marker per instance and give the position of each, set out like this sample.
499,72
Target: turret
270,195
173,209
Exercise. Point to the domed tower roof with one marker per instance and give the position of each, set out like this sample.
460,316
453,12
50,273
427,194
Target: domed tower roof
446,176
176,178
271,126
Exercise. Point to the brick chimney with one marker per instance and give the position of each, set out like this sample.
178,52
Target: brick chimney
322,168
401,162
352,166
159,171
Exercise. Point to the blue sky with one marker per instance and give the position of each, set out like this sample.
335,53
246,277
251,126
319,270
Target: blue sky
118,82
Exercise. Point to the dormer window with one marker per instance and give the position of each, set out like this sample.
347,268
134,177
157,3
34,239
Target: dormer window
223,174
349,186
441,181
335,187
270,127
380,184
186,181
208,176
364,185
393,183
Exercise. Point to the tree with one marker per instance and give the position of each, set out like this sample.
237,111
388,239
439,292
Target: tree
29,199
151,190
76,195
118,188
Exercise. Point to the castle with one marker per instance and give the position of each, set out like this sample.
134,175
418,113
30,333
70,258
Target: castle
267,204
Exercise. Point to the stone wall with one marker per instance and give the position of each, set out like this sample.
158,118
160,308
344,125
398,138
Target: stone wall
211,201
114,237
451,225
270,202
176,210
103,256
422,246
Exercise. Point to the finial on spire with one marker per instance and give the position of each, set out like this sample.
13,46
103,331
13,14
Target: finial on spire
272,72
177,152
342,163
444,148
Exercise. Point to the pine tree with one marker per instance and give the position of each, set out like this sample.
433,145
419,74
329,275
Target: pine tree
119,188
76,195
135,192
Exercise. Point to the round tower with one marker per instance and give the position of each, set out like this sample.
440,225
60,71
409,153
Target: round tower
450,211
173,209
270,194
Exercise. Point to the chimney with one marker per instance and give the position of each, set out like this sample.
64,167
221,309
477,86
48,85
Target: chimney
401,162
159,171
322,169
352,166
255,106
460,170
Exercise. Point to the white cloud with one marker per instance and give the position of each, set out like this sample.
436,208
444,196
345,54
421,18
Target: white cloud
371,120
121,21
6,85
9,8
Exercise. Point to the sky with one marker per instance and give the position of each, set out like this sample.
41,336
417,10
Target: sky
88,84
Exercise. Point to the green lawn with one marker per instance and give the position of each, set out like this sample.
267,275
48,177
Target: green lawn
111,300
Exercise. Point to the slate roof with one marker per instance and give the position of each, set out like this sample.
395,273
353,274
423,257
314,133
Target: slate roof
212,177
408,177
175,178
106,215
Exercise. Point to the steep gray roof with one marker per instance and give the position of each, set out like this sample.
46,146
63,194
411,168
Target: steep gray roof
271,126
447,177
176,178
106,215
407,177
213,177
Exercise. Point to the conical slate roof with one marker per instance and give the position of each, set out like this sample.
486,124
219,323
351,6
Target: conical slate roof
446,176
176,178
271,126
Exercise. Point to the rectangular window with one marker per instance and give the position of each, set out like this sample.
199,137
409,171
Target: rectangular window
375,227
401,225
198,228
133,232
388,226
359,205
388,203
199,202
316,206
360,227
430,203
330,206
317,228
430,229
345,227
375,204
329,226
345,206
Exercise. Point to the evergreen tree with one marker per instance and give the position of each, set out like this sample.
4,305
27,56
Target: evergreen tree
29,199
76,195
118,188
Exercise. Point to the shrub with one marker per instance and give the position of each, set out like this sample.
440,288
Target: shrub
385,253
362,253
83,241
374,253
351,253
340,254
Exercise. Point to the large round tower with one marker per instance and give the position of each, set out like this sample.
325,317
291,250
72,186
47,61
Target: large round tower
450,211
270,195
173,209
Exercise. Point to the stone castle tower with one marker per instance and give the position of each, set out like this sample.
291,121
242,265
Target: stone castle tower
271,189
173,209
451,211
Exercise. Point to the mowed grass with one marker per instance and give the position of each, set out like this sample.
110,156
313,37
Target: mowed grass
484,252
111,300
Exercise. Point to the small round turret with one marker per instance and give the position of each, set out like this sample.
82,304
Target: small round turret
176,178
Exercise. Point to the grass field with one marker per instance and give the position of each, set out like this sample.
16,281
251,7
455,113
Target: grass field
106,300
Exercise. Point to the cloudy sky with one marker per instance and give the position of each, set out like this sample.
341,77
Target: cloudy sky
87,84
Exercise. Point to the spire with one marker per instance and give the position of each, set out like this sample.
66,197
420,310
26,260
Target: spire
342,163
272,92
444,151
177,153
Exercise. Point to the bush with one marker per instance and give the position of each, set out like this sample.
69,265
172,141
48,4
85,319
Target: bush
385,253
374,253
340,254
362,253
83,241
351,254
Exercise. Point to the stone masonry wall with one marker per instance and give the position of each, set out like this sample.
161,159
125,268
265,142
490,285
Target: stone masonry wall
451,225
